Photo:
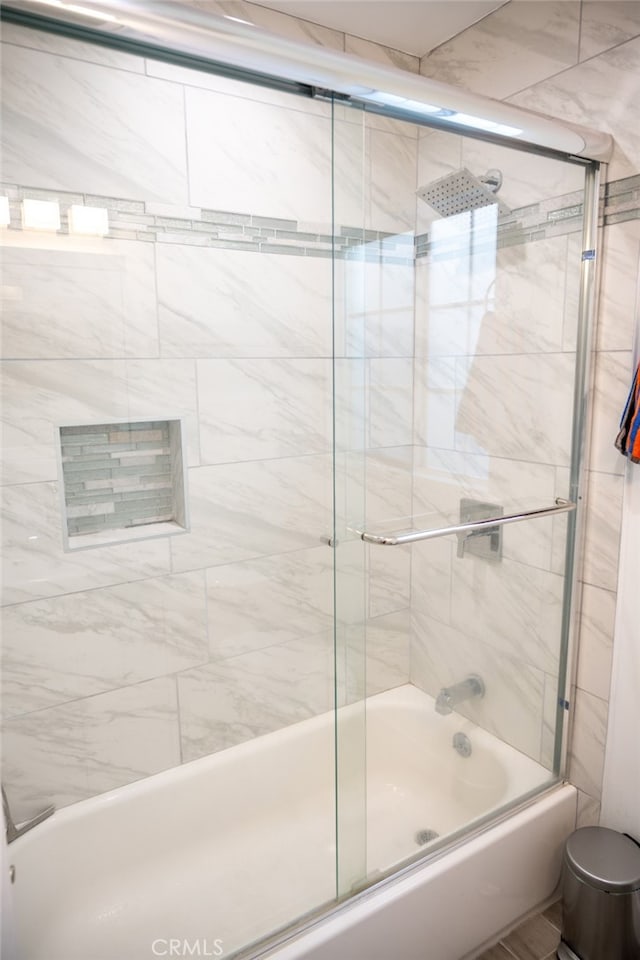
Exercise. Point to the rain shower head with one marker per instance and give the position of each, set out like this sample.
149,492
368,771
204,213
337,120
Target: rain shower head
461,191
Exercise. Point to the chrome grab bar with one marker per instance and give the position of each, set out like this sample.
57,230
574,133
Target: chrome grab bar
395,539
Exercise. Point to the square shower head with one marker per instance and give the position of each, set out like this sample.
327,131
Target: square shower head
459,192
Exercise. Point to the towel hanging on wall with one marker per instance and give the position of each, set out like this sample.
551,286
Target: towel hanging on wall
628,440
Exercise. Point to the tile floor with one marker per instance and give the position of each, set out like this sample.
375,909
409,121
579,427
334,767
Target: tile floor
535,939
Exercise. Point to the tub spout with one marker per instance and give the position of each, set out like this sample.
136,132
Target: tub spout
13,832
449,697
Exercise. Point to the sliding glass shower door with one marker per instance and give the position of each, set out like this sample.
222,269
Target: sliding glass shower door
458,405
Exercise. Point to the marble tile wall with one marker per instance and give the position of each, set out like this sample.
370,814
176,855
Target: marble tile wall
210,301
578,61
500,620
496,311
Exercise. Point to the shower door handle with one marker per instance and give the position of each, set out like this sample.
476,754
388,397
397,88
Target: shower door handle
396,539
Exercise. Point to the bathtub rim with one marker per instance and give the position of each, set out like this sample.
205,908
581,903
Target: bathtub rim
270,947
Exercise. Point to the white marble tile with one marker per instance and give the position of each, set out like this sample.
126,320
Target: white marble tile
257,409
536,423
390,402
225,303
613,376
39,395
66,47
373,656
258,603
131,733
431,574
377,53
572,294
512,705
584,95
351,586
186,77
456,285
293,176
435,402
588,813
351,403
442,478
510,606
95,304
45,759
391,182
77,126
559,525
374,308
526,311
351,170
350,483
588,738
165,389
606,23
274,21
550,721
245,510
387,484
515,46
35,565
67,753
526,177
617,322
231,701
388,640
389,579
354,116
74,646
516,484
439,154
602,530
514,301
597,621
444,319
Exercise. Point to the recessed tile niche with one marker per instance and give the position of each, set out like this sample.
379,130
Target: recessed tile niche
122,481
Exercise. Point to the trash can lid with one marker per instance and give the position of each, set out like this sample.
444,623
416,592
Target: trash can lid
604,859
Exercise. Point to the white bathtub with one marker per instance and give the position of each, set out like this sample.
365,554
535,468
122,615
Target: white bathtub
203,859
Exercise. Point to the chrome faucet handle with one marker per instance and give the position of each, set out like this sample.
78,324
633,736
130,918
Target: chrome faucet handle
465,535
13,832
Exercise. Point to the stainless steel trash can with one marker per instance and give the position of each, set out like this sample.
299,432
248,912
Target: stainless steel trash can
600,896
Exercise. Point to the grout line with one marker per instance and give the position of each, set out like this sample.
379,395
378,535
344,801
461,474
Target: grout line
574,66
178,718
471,26
509,950
580,16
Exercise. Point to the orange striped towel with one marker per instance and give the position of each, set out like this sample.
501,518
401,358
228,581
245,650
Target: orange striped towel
628,439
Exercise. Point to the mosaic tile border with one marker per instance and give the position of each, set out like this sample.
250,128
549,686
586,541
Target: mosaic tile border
162,223
116,475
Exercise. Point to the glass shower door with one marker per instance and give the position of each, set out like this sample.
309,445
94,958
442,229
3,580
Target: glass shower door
468,370
202,298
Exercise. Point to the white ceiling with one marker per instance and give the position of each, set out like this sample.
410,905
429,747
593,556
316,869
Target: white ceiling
415,26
